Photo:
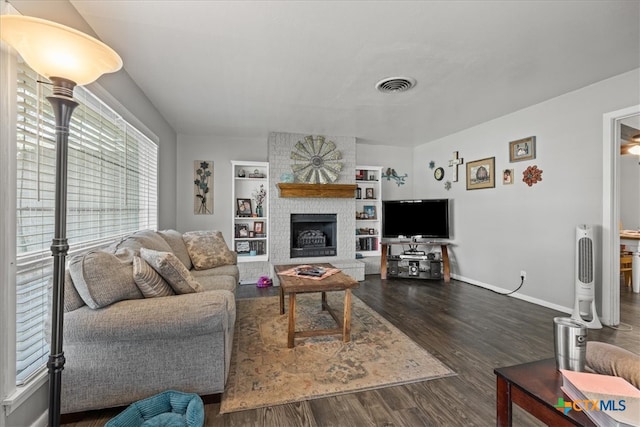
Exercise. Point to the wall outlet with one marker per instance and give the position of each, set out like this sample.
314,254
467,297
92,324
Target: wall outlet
523,274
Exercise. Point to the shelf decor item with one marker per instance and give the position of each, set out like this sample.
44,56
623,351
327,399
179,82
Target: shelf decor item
522,149
41,43
259,196
370,194
203,176
481,174
244,207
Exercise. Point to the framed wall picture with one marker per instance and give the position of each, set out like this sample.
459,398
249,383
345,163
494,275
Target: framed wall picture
203,187
244,207
481,174
507,176
522,149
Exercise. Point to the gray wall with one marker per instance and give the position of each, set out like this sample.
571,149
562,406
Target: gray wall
219,150
498,232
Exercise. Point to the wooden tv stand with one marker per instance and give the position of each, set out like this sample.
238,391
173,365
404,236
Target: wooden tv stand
384,258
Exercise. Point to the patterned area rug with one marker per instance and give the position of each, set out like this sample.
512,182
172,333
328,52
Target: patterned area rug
264,372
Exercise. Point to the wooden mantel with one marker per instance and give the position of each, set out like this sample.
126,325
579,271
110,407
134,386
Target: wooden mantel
344,191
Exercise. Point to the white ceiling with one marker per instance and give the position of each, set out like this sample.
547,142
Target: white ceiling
245,68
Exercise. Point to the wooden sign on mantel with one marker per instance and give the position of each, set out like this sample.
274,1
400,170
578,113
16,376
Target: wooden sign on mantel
342,191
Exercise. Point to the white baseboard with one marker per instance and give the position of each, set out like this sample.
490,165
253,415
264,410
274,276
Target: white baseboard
518,295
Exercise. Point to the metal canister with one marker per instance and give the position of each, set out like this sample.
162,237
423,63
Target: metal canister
570,343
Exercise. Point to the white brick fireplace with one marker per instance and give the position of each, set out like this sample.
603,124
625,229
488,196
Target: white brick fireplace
280,146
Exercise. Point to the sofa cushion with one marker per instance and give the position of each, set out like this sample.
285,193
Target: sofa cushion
608,359
142,239
72,299
172,270
207,249
150,283
216,283
174,240
223,270
102,278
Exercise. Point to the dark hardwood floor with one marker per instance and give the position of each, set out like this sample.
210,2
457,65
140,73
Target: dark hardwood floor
469,328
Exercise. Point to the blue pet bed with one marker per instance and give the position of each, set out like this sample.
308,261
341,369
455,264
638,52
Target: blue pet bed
170,408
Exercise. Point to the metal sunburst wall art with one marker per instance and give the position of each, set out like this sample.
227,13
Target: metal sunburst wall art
316,160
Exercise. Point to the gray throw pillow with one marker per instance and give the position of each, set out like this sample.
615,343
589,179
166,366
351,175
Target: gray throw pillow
174,239
172,270
608,359
207,249
72,299
150,283
102,278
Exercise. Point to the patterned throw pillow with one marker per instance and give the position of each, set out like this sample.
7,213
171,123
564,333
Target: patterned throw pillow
151,284
172,270
102,278
207,249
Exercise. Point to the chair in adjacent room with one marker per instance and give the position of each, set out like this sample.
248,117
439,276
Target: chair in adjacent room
626,268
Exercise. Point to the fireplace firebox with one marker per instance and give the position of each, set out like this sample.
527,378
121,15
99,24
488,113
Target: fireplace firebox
313,235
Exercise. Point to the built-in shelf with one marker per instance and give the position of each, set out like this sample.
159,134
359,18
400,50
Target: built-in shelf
344,191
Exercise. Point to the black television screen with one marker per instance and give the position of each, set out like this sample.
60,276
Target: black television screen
411,218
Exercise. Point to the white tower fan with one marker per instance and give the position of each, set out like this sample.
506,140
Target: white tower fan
585,284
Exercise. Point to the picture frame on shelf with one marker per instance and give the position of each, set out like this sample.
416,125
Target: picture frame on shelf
243,247
481,174
242,230
522,149
369,193
258,227
370,211
244,207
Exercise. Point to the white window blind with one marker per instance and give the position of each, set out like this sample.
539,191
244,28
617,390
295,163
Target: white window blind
111,191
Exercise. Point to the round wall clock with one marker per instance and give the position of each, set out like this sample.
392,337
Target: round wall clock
438,174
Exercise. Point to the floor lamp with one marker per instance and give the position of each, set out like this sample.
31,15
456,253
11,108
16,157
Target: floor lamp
67,58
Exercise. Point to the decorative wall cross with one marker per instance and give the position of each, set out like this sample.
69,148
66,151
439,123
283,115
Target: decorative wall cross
454,163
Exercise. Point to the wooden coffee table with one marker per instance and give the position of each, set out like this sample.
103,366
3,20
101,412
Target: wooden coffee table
292,285
535,387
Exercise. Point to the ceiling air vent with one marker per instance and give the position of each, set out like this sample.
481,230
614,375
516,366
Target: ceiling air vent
395,84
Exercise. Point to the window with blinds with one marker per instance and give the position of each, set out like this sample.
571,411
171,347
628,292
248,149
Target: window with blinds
112,191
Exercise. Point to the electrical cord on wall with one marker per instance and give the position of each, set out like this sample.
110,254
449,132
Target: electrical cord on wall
512,292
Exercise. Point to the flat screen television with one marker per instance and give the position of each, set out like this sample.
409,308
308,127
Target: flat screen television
405,219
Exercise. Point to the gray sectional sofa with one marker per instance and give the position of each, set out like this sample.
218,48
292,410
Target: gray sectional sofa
128,336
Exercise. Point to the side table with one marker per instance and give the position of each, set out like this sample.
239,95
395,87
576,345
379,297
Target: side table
535,387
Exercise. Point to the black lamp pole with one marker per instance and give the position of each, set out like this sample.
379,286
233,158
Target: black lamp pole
63,106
